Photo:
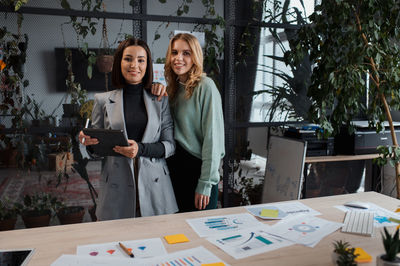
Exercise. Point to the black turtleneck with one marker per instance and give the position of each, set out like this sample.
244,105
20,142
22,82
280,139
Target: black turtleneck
135,114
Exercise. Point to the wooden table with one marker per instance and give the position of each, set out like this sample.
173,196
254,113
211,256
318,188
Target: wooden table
51,242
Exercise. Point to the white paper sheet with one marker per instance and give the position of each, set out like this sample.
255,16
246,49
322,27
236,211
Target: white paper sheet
140,248
158,74
211,225
381,215
285,209
195,256
249,242
77,260
306,230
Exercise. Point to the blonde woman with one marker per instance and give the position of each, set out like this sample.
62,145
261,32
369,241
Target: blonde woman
198,125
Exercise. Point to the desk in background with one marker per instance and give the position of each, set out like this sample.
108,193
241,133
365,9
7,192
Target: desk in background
52,242
350,165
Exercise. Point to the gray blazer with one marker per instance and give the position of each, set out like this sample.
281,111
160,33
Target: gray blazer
117,196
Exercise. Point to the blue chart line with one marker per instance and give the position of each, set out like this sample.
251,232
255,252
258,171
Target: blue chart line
196,259
188,262
219,224
264,240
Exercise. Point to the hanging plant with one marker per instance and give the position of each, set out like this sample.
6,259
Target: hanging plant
105,59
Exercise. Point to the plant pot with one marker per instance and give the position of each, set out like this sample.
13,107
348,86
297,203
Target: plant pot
35,122
8,224
104,63
71,214
382,262
8,157
36,219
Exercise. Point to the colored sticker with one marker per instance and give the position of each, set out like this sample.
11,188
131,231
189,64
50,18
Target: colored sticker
178,238
269,213
363,256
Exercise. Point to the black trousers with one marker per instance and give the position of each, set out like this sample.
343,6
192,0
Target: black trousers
185,171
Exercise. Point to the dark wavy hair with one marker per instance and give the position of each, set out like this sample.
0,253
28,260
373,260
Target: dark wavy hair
118,80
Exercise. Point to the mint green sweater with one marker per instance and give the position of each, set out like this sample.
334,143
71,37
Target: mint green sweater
199,129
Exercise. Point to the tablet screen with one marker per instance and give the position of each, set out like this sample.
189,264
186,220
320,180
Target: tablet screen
15,257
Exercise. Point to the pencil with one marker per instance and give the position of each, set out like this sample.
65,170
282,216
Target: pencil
126,250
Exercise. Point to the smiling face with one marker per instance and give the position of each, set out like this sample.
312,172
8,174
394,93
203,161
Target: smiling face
181,59
134,64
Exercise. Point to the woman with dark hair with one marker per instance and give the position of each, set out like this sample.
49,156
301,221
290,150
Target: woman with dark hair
199,125
137,183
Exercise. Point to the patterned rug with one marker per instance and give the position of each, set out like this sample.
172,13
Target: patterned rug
14,184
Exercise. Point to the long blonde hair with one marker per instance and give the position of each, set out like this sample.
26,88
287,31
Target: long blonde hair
195,72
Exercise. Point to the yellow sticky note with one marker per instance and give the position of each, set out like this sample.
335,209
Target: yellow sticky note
173,239
362,256
214,264
269,213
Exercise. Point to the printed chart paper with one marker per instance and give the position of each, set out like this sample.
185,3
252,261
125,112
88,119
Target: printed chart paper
193,257
209,226
248,242
140,248
285,209
381,216
306,230
158,74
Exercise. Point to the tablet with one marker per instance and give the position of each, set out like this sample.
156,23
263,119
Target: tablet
108,139
15,257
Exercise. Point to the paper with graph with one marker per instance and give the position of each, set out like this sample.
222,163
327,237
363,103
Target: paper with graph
143,248
248,242
305,229
195,257
211,225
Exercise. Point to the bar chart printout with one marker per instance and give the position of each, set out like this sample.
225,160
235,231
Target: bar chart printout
208,226
248,242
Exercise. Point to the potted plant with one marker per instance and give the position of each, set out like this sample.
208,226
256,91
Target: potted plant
38,208
8,215
70,214
392,248
343,254
352,43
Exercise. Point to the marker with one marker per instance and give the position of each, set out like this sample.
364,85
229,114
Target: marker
126,250
86,125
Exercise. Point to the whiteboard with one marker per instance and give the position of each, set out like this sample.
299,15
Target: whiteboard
284,169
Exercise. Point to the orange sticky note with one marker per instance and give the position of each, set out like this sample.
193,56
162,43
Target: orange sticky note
397,210
363,256
214,264
178,238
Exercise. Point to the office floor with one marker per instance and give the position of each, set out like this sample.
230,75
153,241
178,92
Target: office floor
14,184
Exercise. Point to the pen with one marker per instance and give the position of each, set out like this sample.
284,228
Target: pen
86,125
126,250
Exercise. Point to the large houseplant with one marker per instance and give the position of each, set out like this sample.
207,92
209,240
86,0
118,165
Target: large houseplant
352,44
